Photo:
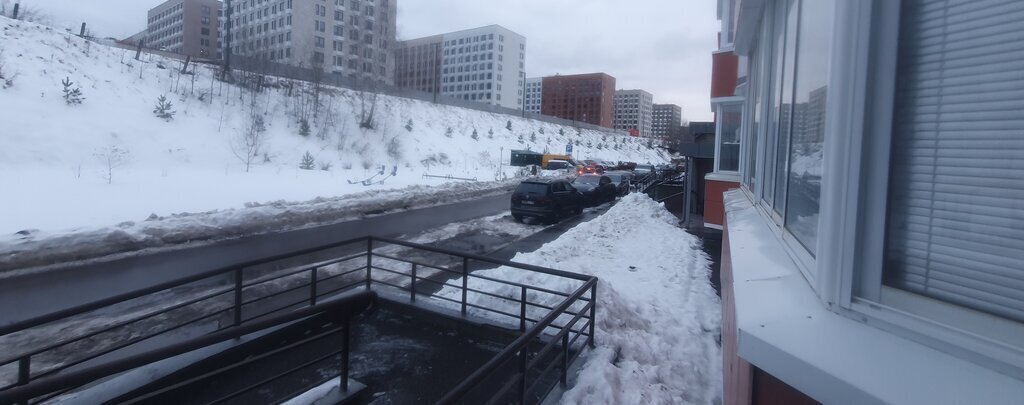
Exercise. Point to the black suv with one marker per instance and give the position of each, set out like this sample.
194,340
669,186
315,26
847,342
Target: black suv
548,199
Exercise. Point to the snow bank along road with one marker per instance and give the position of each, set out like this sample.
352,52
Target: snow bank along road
658,317
24,295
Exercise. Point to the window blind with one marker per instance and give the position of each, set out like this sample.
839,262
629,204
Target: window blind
956,199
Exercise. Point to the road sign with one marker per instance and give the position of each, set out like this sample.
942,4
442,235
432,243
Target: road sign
568,149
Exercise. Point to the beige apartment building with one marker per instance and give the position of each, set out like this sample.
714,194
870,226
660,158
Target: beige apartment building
353,38
187,27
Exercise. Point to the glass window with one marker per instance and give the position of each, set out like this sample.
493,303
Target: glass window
778,38
786,107
807,137
955,214
731,116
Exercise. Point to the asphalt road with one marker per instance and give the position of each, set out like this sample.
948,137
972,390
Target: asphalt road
33,295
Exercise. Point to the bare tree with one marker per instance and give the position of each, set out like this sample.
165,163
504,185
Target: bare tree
111,158
248,145
368,93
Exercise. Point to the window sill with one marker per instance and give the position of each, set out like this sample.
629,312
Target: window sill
785,330
723,176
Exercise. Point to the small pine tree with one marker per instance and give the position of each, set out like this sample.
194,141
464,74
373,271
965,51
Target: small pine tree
541,130
508,125
325,166
163,109
408,125
533,137
308,162
521,138
72,96
475,136
561,131
448,133
304,127
590,144
490,133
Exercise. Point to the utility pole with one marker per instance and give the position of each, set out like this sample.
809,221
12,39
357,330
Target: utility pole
82,32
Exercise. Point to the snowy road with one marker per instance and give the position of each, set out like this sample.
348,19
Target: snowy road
32,295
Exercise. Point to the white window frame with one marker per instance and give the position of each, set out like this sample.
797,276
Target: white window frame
855,196
720,103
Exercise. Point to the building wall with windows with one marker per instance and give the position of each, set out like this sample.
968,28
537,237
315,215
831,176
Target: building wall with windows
534,94
634,109
485,64
187,27
585,97
872,250
418,63
667,120
354,38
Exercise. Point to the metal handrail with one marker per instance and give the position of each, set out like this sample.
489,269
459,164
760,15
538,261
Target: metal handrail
368,243
513,348
346,307
80,309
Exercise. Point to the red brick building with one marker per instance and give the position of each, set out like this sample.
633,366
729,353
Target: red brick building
586,97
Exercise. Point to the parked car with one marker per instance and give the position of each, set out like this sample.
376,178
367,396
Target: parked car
596,189
549,199
558,165
593,168
621,180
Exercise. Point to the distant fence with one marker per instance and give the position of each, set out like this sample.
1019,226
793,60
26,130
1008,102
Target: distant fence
265,67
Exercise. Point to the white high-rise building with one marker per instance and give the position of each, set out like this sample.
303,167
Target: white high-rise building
534,94
354,38
486,64
634,109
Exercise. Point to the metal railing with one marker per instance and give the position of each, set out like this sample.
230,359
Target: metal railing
343,308
225,299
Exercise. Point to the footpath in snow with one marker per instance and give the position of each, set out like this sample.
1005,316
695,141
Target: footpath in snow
658,317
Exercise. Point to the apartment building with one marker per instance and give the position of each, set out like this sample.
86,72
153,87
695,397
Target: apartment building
354,38
634,112
872,244
485,64
584,97
668,118
418,63
187,27
534,94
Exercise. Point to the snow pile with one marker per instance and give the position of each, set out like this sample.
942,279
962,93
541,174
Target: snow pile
111,159
658,315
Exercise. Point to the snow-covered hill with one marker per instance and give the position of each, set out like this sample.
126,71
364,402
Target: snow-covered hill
110,159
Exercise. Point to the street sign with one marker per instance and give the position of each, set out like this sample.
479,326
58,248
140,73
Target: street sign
568,149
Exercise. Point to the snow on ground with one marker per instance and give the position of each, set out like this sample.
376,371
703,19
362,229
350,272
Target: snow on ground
53,167
658,315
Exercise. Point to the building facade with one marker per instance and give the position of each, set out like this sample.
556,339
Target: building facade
668,118
634,112
877,202
418,63
485,64
187,27
354,38
534,94
585,97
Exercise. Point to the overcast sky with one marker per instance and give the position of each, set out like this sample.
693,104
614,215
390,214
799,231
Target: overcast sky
662,46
